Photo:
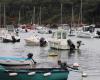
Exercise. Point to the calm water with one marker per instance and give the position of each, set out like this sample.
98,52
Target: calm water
88,56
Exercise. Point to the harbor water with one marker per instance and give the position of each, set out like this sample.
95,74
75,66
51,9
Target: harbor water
88,56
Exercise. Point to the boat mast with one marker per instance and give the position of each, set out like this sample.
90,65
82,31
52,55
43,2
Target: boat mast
40,16
4,17
81,12
61,12
80,15
19,18
0,15
33,17
72,20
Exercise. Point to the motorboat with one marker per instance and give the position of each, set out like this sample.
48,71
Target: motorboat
82,34
9,35
46,70
86,32
33,74
18,70
60,40
44,31
10,38
34,40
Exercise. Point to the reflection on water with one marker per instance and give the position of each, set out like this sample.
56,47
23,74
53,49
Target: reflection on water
66,55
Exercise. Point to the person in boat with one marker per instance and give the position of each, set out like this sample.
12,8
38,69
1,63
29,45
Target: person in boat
30,57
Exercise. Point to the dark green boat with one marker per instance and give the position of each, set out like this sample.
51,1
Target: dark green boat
33,74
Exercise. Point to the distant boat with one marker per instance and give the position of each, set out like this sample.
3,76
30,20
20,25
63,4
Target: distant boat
45,30
32,41
10,35
60,40
86,32
36,41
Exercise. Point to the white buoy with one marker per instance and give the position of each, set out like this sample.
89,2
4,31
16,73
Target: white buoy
31,73
47,74
76,65
13,74
84,75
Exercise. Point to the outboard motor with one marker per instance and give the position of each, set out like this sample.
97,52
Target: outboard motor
43,42
13,39
30,56
78,44
71,45
62,65
26,30
50,31
98,33
17,31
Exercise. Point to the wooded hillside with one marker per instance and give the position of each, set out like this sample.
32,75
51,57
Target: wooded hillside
50,10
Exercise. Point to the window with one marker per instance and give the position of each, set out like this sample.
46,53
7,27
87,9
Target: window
64,35
58,35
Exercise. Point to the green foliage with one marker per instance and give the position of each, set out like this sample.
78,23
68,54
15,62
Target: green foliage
51,10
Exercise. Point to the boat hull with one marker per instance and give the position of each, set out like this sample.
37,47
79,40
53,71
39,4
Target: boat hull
57,45
84,35
8,40
38,74
32,43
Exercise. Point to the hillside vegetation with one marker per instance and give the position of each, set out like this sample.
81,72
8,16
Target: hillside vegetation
50,11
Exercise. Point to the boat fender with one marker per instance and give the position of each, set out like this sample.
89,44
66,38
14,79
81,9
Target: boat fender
13,74
31,73
47,74
76,65
84,74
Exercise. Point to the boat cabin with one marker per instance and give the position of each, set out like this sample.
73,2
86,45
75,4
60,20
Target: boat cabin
61,34
89,28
